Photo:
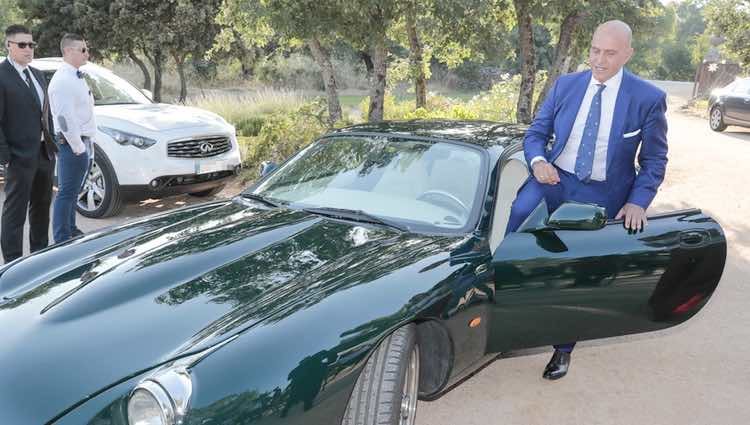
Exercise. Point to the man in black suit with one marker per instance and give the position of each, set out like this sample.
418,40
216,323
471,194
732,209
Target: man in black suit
26,147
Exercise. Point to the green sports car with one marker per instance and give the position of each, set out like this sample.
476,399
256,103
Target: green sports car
367,271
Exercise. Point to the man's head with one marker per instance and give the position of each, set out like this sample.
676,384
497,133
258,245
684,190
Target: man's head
74,50
20,44
610,49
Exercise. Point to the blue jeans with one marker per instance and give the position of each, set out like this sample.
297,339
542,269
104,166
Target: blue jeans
71,174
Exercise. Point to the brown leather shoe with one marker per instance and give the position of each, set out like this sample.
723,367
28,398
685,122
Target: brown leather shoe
558,365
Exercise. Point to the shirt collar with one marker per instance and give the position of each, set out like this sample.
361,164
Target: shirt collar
613,84
18,67
68,68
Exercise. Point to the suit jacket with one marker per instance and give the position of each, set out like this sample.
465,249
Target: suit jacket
21,117
638,120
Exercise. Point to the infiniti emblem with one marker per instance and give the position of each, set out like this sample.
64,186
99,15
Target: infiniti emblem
206,147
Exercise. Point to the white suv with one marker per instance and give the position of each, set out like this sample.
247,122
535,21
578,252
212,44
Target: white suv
149,150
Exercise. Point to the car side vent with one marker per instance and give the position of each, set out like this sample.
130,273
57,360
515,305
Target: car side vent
199,148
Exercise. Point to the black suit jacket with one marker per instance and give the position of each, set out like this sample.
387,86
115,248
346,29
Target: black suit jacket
21,117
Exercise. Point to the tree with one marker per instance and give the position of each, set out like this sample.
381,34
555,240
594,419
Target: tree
299,22
731,19
10,13
51,20
190,31
528,70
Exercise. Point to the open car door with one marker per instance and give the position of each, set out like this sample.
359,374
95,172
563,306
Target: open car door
573,276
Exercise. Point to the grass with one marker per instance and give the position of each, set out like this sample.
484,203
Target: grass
237,107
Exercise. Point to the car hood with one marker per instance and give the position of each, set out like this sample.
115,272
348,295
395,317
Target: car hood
72,329
160,117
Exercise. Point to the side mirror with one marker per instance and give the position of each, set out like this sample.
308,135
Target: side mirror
568,216
577,216
148,93
267,167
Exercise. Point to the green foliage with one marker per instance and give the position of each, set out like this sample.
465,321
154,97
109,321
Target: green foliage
497,104
296,71
10,13
731,20
248,113
284,133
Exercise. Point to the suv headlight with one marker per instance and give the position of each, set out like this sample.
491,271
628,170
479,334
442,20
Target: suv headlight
162,399
124,138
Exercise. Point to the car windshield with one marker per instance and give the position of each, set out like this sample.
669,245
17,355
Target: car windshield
422,185
109,89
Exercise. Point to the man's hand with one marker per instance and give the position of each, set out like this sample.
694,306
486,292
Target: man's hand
634,217
545,173
78,148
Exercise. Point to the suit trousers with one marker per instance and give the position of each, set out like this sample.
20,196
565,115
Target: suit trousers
570,188
28,189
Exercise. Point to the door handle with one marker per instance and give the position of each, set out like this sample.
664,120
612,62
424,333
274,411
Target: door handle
693,238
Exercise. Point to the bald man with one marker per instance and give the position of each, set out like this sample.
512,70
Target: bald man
582,145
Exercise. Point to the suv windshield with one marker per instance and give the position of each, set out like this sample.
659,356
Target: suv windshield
107,88
424,185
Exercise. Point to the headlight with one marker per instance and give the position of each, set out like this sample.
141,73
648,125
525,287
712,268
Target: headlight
162,399
124,138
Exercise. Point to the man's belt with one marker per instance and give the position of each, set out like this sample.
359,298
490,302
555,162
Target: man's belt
63,140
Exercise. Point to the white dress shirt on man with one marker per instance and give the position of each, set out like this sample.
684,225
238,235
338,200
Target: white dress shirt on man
567,158
72,107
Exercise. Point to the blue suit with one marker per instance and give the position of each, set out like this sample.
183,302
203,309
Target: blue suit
639,113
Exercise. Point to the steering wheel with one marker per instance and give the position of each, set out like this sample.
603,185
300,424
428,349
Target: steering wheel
440,196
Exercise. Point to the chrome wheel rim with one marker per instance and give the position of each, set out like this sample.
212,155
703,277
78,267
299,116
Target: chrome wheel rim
409,394
94,188
715,118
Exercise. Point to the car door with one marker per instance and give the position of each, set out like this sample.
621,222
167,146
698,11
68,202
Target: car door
556,286
737,103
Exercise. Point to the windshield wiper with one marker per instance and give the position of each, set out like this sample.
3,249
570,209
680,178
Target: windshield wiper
356,215
262,199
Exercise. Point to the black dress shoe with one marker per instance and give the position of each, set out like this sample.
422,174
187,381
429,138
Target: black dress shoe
75,232
557,366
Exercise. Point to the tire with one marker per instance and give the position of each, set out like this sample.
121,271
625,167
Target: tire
387,389
209,192
716,119
100,196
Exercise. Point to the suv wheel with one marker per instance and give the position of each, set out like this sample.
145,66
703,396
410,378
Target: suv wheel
100,196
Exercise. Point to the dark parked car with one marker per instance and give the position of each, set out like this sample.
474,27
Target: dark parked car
367,271
730,105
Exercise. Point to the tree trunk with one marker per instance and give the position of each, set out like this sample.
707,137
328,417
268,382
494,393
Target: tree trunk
369,68
323,58
142,66
246,56
526,41
379,54
180,62
562,59
417,59
157,62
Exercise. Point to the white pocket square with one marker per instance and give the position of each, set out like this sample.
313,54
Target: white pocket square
631,134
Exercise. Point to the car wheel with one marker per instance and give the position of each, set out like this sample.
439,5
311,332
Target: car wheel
209,192
387,389
100,196
716,119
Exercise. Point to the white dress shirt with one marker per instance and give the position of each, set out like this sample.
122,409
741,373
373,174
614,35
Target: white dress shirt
72,107
567,158
37,86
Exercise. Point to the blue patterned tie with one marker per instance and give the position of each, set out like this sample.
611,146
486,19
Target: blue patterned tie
585,159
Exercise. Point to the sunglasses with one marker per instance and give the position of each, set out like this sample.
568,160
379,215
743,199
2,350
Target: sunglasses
81,49
23,45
